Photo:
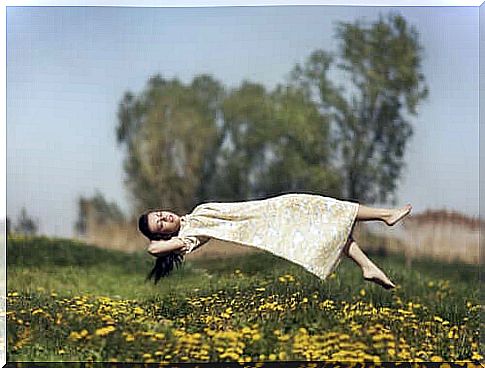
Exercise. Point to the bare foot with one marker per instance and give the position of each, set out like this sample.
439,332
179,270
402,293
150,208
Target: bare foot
377,276
398,214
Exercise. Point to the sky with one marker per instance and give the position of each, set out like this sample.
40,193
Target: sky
68,68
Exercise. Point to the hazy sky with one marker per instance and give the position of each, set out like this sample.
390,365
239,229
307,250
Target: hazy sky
68,67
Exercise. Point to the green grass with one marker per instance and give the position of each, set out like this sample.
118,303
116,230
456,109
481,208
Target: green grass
50,274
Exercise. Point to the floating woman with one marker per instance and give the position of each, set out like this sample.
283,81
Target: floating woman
310,230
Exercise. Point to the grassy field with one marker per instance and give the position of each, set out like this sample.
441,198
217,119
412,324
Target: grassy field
70,302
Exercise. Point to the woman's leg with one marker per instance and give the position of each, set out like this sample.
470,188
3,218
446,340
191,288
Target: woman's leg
369,270
389,216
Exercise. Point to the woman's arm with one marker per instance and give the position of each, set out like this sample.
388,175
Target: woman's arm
159,248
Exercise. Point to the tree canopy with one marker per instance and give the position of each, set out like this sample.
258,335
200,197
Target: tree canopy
382,63
169,132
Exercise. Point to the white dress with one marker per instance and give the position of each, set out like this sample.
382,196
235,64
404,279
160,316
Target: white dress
306,229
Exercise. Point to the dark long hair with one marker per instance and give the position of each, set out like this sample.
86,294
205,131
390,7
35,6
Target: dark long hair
163,264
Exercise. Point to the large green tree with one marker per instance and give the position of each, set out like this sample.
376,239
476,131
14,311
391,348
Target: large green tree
371,112
169,132
302,146
274,142
247,114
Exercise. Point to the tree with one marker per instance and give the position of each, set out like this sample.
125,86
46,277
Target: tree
25,224
98,210
211,95
275,142
383,61
247,114
171,136
302,146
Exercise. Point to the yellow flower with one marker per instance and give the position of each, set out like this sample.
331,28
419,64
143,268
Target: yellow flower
284,337
476,356
362,292
74,335
138,310
272,357
103,331
37,311
256,337
436,358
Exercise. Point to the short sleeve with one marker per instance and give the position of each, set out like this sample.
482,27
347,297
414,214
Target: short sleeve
192,242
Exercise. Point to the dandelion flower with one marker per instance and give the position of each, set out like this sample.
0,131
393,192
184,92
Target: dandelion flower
103,331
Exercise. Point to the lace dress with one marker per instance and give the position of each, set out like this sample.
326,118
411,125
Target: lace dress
306,229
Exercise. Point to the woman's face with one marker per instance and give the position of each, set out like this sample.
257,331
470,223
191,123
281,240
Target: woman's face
163,222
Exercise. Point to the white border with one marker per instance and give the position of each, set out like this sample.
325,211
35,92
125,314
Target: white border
3,112
3,184
205,3
143,3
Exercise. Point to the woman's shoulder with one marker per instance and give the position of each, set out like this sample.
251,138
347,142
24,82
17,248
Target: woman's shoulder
294,195
208,206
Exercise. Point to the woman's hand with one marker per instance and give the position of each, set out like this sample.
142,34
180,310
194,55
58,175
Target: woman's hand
152,248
